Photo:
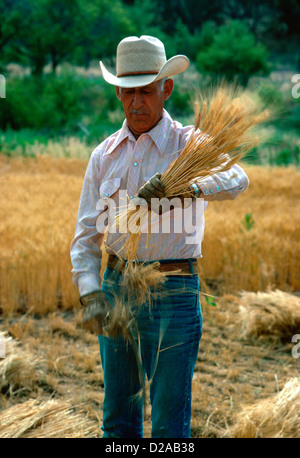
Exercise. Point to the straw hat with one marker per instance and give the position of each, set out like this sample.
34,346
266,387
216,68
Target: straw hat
141,61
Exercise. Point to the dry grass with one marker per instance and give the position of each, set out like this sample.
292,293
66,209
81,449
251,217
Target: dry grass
275,417
20,370
49,419
230,373
273,315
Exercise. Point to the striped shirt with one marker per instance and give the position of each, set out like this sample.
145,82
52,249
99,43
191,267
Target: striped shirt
118,167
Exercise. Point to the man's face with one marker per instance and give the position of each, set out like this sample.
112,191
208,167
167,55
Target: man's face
143,106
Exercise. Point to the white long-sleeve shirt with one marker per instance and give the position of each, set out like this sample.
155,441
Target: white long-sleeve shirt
117,168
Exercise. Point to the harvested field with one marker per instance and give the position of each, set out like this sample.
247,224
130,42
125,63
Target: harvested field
231,372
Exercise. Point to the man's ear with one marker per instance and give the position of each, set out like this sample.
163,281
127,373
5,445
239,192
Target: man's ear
168,88
118,92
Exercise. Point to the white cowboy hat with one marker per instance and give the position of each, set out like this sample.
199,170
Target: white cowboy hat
141,61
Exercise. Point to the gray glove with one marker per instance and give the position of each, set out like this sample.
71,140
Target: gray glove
152,189
95,312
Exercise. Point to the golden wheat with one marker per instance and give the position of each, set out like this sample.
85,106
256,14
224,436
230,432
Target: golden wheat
37,222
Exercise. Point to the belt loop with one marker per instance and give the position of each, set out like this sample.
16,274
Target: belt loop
191,266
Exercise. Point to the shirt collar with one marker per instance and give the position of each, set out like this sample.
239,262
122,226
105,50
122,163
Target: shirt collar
159,134
122,134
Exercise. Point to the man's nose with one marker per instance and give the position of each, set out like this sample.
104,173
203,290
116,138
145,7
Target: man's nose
137,100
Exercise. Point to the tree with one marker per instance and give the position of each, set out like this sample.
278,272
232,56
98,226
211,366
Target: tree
289,11
29,44
233,53
62,21
10,23
103,24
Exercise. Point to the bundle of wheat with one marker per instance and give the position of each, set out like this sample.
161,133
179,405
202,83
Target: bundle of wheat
225,119
274,417
48,419
19,369
272,315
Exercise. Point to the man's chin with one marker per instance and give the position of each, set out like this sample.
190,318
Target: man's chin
140,128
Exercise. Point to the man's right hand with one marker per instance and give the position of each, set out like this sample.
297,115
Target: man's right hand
95,312
152,189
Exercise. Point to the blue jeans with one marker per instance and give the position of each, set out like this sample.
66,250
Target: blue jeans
170,331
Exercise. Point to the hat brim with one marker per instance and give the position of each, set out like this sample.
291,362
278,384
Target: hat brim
173,66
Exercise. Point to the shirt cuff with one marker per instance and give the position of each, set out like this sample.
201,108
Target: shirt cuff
211,186
88,283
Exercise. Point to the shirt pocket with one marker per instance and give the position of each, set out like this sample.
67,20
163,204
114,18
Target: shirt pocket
109,187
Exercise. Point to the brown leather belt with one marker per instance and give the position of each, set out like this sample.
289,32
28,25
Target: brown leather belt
175,267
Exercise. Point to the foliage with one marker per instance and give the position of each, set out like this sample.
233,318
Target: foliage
223,39
233,54
38,32
48,103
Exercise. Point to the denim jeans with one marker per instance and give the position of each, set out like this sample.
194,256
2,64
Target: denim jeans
170,331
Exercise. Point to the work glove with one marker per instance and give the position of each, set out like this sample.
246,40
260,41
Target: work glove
152,189
96,311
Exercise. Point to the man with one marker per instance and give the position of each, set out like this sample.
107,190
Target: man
133,159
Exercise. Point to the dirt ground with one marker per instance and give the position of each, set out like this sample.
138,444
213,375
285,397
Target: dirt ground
230,372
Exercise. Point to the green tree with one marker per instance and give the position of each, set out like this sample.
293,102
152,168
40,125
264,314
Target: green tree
52,31
233,54
29,44
103,24
10,22
62,21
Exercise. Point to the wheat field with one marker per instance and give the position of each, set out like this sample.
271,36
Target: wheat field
37,221
51,380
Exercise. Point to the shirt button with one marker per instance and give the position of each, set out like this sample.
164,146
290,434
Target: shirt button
206,192
131,197
106,194
211,191
136,163
218,189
